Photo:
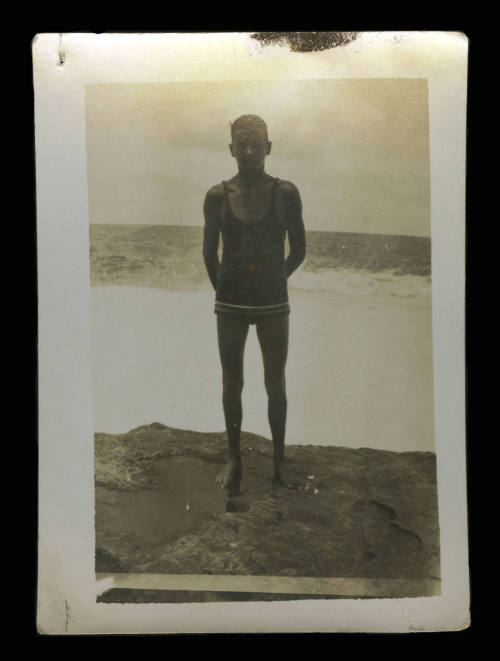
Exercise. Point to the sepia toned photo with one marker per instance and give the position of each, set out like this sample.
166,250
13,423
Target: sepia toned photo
260,365
330,469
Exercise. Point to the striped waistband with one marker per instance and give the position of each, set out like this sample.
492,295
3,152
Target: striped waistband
252,309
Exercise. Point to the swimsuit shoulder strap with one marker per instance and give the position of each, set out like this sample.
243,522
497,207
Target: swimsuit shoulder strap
275,188
274,206
225,201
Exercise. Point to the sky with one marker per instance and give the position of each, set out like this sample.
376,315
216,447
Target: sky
357,149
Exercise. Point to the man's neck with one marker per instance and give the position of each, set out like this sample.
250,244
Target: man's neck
250,179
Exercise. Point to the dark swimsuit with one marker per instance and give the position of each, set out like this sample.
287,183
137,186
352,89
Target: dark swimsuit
252,278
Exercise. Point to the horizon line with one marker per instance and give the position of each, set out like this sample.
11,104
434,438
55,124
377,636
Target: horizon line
413,236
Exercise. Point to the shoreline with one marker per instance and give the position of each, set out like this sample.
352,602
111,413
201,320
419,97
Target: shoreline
359,369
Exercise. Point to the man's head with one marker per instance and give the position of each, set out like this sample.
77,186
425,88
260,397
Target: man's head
250,143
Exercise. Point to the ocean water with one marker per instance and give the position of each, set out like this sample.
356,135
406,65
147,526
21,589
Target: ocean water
359,372
169,257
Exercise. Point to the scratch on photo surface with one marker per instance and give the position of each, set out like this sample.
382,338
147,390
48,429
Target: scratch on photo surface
61,54
68,615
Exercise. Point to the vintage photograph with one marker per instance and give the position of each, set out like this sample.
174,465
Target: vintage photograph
291,433
251,260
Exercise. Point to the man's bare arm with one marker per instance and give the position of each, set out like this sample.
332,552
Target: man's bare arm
296,230
211,211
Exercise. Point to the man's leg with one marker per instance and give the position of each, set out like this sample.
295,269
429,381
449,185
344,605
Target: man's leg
272,332
232,334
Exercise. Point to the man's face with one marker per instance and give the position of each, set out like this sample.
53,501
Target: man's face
250,148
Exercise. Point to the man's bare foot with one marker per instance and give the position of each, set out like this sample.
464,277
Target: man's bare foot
284,476
230,474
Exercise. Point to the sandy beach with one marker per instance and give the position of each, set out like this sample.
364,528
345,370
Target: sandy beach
359,372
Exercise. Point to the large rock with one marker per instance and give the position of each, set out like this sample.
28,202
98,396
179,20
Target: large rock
358,512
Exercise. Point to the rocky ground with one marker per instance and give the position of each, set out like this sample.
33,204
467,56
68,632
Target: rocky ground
359,513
